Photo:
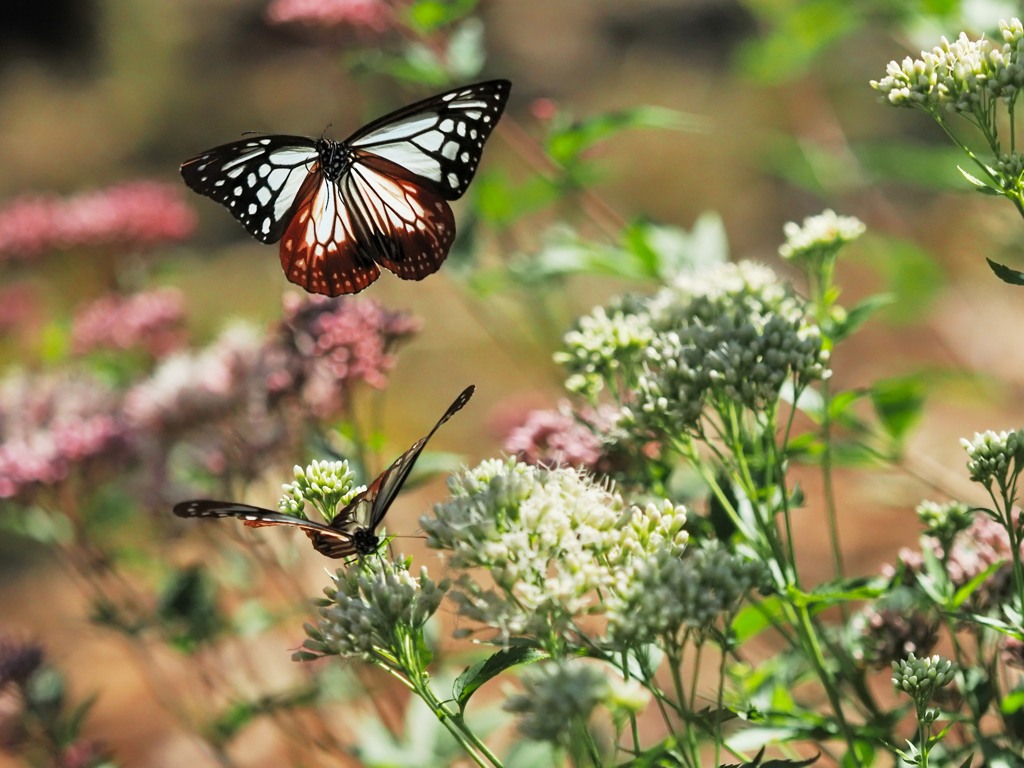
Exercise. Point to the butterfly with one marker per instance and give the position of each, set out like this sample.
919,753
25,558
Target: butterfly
353,531
342,209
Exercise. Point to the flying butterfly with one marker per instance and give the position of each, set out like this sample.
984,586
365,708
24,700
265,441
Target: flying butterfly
380,197
353,531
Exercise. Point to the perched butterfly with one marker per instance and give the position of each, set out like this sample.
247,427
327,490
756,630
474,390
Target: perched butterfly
353,531
380,197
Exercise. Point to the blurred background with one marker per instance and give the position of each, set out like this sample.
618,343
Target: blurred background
720,118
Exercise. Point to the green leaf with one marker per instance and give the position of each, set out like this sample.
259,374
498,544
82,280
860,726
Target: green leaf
971,586
426,16
755,618
661,251
475,676
465,52
912,274
796,35
860,314
187,608
981,185
565,144
500,202
928,166
1004,273
1013,702
898,403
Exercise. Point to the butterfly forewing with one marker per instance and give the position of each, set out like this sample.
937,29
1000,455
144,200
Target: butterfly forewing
257,179
366,511
440,139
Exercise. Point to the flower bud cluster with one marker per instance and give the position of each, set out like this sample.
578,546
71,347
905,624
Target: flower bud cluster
995,457
944,521
962,75
606,347
326,485
663,594
560,692
731,337
921,678
370,608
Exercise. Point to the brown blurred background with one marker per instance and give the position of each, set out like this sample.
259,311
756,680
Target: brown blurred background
95,92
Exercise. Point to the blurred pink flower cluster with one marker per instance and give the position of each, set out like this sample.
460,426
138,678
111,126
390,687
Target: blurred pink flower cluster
243,402
192,387
327,345
132,215
551,438
367,15
50,424
151,320
974,550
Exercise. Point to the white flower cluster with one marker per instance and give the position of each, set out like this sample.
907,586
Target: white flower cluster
553,542
732,334
734,343
995,456
663,595
327,485
819,236
371,609
961,75
560,692
607,347
945,520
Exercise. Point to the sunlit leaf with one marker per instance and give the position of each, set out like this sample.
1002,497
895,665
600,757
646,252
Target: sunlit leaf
473,677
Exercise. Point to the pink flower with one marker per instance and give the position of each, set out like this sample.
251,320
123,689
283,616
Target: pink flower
974,550
369,15
551,438
195,388
328,345
133,215
49,425
152,321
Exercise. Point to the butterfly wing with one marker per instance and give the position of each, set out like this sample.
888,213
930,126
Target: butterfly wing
441,139
257,517
364,513
404,226
258,179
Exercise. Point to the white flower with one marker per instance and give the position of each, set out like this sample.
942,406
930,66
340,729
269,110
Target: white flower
552,540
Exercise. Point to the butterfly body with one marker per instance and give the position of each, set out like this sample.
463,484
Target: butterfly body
342,209
353,531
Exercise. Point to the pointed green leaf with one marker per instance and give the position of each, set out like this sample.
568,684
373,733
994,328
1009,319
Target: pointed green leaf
1004,273
898,403
475,676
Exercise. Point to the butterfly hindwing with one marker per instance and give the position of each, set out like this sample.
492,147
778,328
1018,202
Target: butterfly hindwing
320,249
258,179
401,224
